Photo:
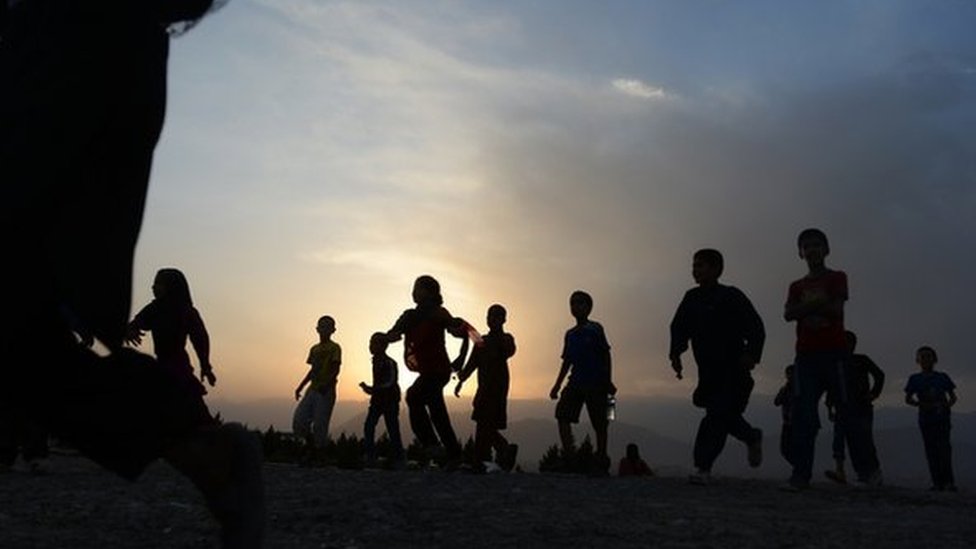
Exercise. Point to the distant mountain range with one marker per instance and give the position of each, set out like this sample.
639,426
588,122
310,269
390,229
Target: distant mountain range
664,429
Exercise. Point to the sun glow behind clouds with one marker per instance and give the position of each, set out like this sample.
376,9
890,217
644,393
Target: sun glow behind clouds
319,156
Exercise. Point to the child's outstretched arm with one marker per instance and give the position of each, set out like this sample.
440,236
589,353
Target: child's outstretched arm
134,334
200,340
393,335
336,365
468,369
462,354
508,346
680,334
754,333
563,370
305,381
877,376
366,388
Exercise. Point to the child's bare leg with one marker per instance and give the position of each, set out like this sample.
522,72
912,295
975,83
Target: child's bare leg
498,442
601,439
566,435
224,462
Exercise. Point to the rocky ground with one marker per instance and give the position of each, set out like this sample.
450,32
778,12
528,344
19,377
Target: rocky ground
78,505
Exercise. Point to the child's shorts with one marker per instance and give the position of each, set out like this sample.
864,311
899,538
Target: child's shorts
572,399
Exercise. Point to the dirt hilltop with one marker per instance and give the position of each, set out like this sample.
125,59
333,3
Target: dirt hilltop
80,505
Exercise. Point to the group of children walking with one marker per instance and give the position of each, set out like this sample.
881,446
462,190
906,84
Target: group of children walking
718,323
423,329
586,362
727,337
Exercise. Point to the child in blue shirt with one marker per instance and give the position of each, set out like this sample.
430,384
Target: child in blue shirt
586,358
934,395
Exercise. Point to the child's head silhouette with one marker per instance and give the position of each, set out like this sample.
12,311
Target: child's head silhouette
580,304
496,316
377,343
170,285
426,290
926,357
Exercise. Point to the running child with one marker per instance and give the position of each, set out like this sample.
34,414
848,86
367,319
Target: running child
491,400
424,328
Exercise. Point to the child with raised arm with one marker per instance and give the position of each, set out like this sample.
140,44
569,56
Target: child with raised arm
172,319
491,400
586,358
314,410
384,401
816,303
423,329
934,394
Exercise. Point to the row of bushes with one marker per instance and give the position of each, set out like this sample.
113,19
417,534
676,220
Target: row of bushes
346,452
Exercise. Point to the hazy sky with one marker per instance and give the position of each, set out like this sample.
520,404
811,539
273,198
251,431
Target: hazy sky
320,155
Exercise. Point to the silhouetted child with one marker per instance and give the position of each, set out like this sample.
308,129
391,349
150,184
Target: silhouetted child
172,319
784,399
586,358
632,465
816,303
82,105
424,328
384,401
727,337
852,408
934,394
314,410
491,400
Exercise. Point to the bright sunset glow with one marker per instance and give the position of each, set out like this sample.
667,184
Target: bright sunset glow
318,156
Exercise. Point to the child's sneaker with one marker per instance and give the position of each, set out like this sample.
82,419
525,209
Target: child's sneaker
507,460
700,478
873,480
837,476
795,485
435,453
370,461
398,461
